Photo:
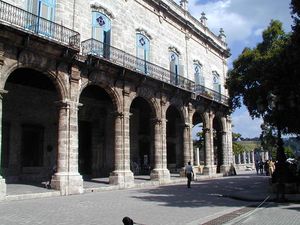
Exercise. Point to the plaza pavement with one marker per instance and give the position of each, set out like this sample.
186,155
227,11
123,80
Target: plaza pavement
231,200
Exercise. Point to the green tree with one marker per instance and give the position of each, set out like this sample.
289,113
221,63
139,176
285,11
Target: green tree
237,148
265,75
268,139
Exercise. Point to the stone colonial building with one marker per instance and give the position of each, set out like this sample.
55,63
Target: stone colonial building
109,88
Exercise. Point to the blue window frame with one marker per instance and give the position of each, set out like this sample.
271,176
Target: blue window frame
45,10
198,73
216,82
101,31
174,67
142,52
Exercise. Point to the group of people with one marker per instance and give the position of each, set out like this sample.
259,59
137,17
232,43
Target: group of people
267,167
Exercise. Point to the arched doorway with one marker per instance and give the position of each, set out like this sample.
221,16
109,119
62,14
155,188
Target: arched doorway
174,139
198,140
217,139
96,133
29,127
141,137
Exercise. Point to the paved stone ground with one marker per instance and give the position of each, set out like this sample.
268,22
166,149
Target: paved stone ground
206,201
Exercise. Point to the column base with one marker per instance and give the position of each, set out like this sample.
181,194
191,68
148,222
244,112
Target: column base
182,172
2,188
209,170
123,178
224,169
161,175
67,183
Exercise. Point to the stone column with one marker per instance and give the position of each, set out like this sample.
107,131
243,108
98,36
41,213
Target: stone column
225,164
267,155
187,155
67,179
253,157
197,157
209,167
2,180
160,171
122,175
244,157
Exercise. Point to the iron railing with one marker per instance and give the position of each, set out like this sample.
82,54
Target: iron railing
100,50
210,94
117,56
29,22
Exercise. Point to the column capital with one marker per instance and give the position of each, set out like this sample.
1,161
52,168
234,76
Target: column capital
2,93
118,114
67,103
156,120
206,130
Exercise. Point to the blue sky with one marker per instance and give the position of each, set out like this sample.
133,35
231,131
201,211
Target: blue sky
243,22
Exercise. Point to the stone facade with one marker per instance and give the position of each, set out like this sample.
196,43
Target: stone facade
97,115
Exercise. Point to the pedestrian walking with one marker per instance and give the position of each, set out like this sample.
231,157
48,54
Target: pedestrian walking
257,166
189,173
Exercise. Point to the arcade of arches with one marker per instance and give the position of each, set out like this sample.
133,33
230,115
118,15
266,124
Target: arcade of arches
94,124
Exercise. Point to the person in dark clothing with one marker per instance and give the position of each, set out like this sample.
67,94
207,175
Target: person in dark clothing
189,173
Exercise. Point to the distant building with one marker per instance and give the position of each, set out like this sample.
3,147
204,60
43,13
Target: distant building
109,89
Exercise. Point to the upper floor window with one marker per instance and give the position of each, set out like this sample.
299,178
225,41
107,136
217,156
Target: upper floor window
216,82
42,8
198,74
142,51
101,27
174,67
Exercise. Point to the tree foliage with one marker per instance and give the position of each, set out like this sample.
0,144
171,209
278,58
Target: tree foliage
270,69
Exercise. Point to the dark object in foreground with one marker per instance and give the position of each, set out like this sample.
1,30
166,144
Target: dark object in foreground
127,221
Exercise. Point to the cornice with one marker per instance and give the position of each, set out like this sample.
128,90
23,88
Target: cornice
190,25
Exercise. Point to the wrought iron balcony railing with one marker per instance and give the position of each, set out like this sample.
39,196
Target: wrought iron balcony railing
119,57
211,94
24,20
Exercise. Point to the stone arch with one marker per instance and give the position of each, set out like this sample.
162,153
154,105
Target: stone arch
114,95
217,140
142,113
34,89
96,133
58,82
198,117
181,109
175,116
148,95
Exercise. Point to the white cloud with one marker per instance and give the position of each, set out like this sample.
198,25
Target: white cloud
241,18
245,125
258,32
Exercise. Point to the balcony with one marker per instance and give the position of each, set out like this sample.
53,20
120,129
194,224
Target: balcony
98,49
210,94
20,19
92,47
